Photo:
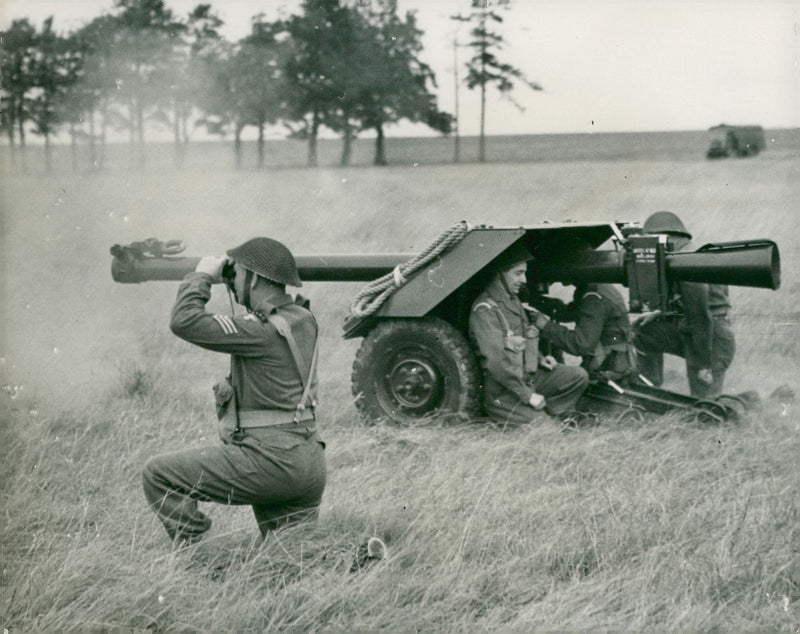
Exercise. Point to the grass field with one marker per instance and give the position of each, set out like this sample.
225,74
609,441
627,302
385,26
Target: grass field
660,525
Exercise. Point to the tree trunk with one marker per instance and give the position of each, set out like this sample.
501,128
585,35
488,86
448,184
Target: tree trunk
260,145
482,141
347,146
10,132
176,132
12,108
92,145
380,150
456,136
484,46
23,160
48,155
237,145
312,140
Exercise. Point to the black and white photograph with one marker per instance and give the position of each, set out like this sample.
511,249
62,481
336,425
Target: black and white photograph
399,315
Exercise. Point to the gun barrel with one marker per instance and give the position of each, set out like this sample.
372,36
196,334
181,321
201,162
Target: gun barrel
751,263
312,268
754,263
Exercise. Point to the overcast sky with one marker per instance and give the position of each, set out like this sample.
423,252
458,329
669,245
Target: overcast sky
605,65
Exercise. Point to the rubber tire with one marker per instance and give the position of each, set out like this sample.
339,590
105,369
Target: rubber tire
427,347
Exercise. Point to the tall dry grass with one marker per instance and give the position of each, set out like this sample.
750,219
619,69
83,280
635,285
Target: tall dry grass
662,525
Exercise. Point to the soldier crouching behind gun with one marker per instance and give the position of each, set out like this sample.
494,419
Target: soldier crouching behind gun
270,457
699,330
518,380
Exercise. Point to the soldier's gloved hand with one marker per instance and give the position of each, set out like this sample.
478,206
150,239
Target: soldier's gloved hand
537,401
548,362
642,319
211,265
539,319
705,376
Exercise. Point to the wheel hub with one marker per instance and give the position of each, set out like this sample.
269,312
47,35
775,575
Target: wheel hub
413,383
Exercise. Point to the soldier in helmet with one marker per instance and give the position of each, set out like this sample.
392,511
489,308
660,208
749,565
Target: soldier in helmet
518,380
699,331
270,457
602,334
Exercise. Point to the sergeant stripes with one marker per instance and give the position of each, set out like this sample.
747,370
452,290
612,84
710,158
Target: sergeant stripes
226,323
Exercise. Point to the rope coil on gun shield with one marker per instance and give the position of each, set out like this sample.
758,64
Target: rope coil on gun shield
373,295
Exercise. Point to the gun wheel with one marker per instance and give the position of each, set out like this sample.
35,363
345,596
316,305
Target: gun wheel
409,369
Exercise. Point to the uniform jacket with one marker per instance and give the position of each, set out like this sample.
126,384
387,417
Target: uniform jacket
263,371
600,316
697,304
504,368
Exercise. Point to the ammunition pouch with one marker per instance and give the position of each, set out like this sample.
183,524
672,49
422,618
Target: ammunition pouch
227,411
528,344
531,349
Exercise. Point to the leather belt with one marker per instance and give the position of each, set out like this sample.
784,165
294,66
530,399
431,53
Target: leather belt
250,419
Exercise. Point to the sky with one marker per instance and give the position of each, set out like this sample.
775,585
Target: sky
605,65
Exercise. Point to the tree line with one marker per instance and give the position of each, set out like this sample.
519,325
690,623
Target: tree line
346,67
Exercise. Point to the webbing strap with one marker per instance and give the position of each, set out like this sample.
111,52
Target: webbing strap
503,320
306,372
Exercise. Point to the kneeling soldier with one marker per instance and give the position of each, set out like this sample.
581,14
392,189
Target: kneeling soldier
270,457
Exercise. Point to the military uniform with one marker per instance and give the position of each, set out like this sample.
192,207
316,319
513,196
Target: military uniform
602,334
271,458
507,348
700,333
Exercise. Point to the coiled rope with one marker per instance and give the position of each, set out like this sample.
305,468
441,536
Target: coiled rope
374,294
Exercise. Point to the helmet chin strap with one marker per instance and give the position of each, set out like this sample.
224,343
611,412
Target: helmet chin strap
248,279
503,282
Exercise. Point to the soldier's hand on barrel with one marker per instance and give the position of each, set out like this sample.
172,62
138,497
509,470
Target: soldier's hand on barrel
211,265
705,376
537,401
548,362
642,319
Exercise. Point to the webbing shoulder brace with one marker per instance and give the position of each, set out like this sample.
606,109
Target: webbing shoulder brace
305,371
493,304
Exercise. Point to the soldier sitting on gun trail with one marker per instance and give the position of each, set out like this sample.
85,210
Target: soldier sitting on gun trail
270,458
602,334
518,379
699,330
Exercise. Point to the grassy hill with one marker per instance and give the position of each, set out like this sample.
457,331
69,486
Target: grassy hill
654,525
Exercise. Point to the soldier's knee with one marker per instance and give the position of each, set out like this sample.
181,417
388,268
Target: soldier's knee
152,471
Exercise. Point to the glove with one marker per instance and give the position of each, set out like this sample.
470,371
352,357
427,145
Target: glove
705,376
642,319
211,265
539,319
537,401
548,362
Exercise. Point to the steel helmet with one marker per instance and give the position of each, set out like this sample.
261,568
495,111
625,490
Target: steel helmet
268,258
515,254
665,222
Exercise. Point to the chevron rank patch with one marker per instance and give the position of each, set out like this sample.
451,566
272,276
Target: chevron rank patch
226,323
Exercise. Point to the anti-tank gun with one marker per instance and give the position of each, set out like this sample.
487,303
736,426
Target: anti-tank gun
415,359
